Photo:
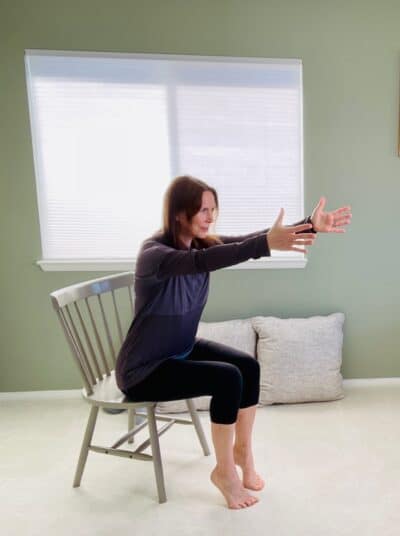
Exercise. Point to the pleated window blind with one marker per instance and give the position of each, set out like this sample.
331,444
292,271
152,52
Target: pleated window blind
110,131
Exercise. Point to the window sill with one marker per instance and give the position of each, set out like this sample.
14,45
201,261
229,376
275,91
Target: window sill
115,265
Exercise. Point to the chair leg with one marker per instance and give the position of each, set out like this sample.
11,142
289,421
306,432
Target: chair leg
85,445
198,426
155,450
131,422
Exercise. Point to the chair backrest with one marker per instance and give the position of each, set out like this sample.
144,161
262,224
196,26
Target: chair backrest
94,316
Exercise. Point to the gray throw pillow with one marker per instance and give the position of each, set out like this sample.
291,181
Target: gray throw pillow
300,358
236,333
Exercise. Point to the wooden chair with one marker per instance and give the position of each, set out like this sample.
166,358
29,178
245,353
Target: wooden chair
91,315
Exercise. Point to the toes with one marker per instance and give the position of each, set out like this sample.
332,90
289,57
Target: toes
244,503
249,501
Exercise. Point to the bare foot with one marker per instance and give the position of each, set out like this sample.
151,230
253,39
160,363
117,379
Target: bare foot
233,491
251,479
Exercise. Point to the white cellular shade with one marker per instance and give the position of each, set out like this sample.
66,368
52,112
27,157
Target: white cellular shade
109,132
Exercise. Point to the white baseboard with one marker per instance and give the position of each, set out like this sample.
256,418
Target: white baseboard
77,393
372,381
41,395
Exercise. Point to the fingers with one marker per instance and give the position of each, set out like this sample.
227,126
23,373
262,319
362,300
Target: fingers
299,228
305,242
283,238
279,219
321,203
296,241
342,221
308,236
342,209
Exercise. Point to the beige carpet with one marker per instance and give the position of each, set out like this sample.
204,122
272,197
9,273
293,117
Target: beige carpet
331,468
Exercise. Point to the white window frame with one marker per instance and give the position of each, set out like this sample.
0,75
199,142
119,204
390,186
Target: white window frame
110,264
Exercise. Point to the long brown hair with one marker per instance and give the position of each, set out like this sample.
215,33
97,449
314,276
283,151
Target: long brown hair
184,194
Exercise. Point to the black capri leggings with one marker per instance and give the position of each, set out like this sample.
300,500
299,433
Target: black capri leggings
230,376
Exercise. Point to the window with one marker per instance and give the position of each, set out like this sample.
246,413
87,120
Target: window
110,131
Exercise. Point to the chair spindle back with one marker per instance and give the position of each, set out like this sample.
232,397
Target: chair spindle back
94,316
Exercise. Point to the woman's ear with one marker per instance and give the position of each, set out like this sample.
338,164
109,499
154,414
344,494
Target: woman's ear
180,217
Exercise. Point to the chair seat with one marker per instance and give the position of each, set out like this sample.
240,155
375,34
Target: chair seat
107,394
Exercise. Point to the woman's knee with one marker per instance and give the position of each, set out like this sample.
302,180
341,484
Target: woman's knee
251,384
227,395
254,368
250,369
230,376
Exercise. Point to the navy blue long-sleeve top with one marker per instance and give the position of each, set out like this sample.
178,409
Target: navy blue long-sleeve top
171,289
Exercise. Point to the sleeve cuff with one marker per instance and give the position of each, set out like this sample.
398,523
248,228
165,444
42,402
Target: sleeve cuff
312,230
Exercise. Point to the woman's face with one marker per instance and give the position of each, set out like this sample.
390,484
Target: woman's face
198,227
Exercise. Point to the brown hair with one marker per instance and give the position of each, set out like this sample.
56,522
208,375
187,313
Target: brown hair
184,194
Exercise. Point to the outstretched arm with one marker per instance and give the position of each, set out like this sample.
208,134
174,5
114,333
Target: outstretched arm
242,238
159,261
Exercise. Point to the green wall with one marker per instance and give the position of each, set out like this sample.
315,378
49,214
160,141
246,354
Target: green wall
350,52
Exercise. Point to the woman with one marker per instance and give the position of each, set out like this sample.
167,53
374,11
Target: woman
162,360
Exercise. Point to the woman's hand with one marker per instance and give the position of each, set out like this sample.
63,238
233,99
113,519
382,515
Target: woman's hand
330,222
289,238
